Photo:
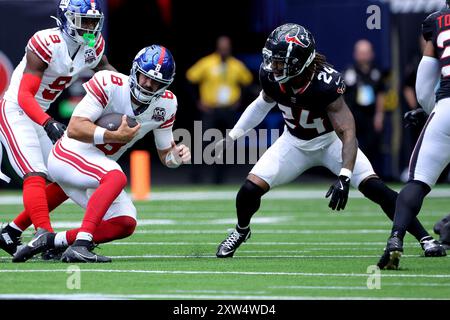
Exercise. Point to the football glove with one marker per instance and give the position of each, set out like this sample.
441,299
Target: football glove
415,118
54,129
221,146
339,193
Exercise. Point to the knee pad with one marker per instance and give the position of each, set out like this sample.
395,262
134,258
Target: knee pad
249,191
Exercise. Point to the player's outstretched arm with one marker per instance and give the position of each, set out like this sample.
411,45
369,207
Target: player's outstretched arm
252,116
428,75
344,126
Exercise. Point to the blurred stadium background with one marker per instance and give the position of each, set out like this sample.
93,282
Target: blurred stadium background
190,28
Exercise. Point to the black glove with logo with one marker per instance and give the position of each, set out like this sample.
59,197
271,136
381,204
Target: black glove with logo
339,193
54,129
415,118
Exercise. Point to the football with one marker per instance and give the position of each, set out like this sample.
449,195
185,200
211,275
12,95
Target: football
112,121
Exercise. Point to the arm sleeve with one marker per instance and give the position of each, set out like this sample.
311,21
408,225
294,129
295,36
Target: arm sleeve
89,108
163,138
29,86
252,116
428,74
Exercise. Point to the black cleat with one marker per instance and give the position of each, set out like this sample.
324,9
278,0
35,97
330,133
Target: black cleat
82,254
392,253
228,246
53,254
42,241
432,247
8,241
445,236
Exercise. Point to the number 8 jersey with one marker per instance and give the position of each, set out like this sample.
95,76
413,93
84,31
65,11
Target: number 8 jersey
304,109
50,46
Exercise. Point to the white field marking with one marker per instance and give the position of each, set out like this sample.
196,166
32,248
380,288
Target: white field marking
343,231
99,296
234,273
203,256
361,245
231,195
322,287
151,222
397,284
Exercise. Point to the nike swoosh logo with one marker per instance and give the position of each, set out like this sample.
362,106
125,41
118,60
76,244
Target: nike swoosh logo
338,81
341,187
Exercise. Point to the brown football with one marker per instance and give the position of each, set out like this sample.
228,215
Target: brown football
112,121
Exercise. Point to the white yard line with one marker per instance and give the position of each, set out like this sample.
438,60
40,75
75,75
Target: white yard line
260,243
99,296
231,195
342,231
234,273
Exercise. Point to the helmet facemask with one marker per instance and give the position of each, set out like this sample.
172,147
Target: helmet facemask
84,27
283,67
142,94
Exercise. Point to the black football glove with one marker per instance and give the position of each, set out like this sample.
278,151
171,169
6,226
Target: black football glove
339,193
221,146
415,118
54,129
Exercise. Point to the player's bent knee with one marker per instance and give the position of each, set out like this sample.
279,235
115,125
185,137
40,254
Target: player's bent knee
250,191
35,174
123,226
115,176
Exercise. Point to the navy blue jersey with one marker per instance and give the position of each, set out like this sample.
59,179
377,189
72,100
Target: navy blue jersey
304,111
436,28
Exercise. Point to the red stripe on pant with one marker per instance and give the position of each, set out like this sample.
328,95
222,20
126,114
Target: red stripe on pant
84,166
17,155
108,230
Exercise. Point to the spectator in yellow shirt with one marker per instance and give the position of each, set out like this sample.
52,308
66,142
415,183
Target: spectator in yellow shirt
220,78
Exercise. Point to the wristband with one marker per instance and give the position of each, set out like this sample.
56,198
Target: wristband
345,172
99,135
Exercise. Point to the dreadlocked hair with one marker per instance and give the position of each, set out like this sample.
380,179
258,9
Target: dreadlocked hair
319,62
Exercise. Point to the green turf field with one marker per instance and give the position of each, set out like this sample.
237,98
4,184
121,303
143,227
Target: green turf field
299,249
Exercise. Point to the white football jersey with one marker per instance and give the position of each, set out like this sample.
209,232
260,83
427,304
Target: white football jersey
109,92
62,71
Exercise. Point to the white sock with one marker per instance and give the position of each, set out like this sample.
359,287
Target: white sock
13,225
61,240
84,236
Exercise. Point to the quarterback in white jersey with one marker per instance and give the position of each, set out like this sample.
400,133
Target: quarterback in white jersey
53,60
84,163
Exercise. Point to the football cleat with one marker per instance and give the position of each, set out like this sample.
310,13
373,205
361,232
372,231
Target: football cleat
432,247
228,246
42,241
82,254
8,241
53,254
392,253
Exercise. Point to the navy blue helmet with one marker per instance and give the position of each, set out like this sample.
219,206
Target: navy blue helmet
157,63
288,51
81,20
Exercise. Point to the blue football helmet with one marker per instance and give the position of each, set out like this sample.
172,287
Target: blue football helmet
81,20
157,63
